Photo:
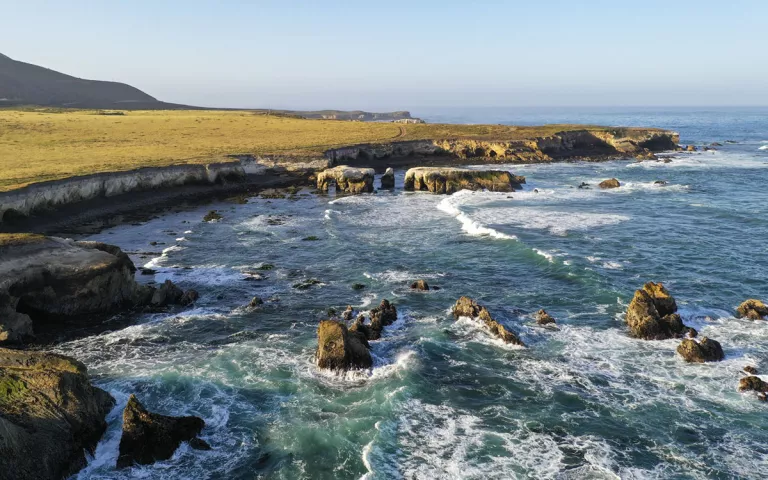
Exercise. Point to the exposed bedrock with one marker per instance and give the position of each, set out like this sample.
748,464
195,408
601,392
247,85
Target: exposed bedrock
652,314
50,280
149,437
707,350
347,179
584,142
388,179
543,318
752,309
340,349
450,180
50,415
466,307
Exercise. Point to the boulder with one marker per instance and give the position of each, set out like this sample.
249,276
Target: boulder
388,180
750,369
753,383
149,437
707,350
348,314
651,314
347,179
167,294
212,216
255,302
421,285
189,297
691,148
610,183
451,180
752,309
466,307
543,318
339,349
50,415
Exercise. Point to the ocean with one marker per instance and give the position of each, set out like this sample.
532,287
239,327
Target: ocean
444,399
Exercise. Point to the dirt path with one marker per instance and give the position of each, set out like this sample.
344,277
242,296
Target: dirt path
402,132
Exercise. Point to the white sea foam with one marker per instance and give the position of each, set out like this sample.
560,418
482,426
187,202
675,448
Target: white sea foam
612,265
550,257
450,205
764,147
557,222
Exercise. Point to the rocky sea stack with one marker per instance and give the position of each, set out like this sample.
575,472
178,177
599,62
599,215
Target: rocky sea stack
347,179
149,437
752,309
707,350
50,415
466,307
451,180
339,349
652,314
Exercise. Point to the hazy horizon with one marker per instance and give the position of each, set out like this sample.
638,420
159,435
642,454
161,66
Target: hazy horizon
405,55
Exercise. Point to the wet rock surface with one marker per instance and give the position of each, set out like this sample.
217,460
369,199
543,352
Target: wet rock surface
339,349
752,309
466,307
450,180
707,350
652,314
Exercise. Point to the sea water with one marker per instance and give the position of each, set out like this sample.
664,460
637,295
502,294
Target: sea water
444,399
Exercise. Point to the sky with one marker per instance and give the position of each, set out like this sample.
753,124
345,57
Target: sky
376,55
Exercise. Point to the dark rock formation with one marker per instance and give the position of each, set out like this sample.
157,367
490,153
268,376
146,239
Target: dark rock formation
388,180
691,148
212,216
451,180
610,183
339,349
755,384
707,350
52,280
651,314
149,437
466,307
189,297
255,302
750,369
50,414
347,179
543,318
752,309
421,285
348,314
383,315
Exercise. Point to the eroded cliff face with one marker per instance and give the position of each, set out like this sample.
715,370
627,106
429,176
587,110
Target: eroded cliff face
597,143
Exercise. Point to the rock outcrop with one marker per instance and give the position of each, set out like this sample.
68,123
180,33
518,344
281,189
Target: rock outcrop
543,318
383,315
339,349
755,384
347,179
610,183
707,350
50,415
388,180
651,314
451,180
466,307
420,285
53,280
752,309
149,437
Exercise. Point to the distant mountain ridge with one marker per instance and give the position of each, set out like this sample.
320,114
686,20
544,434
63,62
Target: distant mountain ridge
27,84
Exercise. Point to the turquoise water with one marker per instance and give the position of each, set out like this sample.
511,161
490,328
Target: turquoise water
445,400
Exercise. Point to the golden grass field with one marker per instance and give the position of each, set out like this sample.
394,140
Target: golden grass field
39,145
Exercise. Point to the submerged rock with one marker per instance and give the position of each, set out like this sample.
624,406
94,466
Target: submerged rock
707,350
420,285
451,180
50,415
753,383
466,307
610,183
388,180
347,179
339,349
651,314
691,148
149,437
750,369
255,302
212,216
752,309
543,318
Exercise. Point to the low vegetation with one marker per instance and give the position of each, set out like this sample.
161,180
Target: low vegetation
44,144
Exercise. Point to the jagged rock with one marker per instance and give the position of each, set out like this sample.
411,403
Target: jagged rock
543,318
584,185
50,415
167,294
466,307
610,183
348,313
752,309
347,179
451,180
212,216
360,326
691,148
358,286
660,182
651,314
420,285
149,437
707,350
750,369
753,383
383,315
15,327
339,349
388,180
189,297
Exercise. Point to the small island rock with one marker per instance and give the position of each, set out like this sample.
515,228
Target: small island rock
420,285
707,350
466,307
388,179
651,314
347,179
752,309
450,180
610,183
543,318
339,349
